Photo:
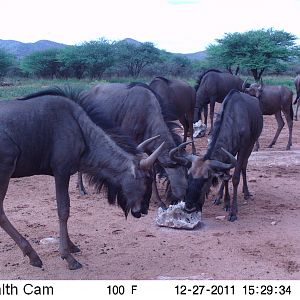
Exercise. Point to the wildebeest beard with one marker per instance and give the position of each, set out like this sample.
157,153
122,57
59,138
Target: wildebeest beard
115,193
198,189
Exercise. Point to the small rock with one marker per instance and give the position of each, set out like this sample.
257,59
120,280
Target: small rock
199,129
49,240
220,217
274,222
252,179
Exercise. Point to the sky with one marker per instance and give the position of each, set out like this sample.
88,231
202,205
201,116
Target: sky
176,26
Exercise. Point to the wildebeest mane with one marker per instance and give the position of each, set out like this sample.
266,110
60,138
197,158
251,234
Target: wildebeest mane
67,91
218,124
198,82
166,80
164,110
96,115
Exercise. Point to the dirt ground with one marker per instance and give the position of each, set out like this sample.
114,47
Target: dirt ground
264,243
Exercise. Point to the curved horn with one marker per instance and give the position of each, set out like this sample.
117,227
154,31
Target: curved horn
143,144
244,84
147,163
180,160
215,164
231,157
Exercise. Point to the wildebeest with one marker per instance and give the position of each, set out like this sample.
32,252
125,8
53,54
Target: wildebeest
236,129
297,100
135,108
213,86
51,135
178,98
274,99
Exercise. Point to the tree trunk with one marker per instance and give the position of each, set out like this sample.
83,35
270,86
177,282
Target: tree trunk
255,74
260,73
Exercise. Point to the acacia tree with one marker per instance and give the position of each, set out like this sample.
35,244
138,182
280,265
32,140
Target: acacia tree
6,61
97,57
42,63
255,50
71,62
135,57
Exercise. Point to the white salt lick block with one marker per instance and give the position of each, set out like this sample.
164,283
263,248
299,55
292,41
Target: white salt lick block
175,217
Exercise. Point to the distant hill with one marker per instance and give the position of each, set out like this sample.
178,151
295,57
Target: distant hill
131,41
197,55
20,49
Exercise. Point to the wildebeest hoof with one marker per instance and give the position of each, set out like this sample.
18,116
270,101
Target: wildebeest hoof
75,265
36,262
74,249
136,214
231,218
248,196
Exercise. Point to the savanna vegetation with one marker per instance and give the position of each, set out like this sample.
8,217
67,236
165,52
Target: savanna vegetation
269,54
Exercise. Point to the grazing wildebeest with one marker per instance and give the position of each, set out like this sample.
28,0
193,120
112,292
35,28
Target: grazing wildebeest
178,98
297,100
274,99
51,135
213,86
236,129
136,110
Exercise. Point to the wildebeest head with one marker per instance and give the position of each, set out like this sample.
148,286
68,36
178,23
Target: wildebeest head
255,89
133,191
201,176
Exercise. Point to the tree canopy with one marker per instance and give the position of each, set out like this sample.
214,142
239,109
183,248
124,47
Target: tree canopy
135,57
6,61
255,50
42,63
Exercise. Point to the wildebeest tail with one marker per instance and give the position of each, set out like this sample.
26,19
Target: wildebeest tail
297,97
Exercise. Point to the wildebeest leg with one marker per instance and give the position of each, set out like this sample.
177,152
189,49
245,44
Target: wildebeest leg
205,113
197,115
289,120
233,205
189,119
155,194
185,126
297,107
80,185
10,229
63,207
280,125
247,194
226,196
217,200
211,114
256,147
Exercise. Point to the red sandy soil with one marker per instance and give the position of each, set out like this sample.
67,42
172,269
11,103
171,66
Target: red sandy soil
264,243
